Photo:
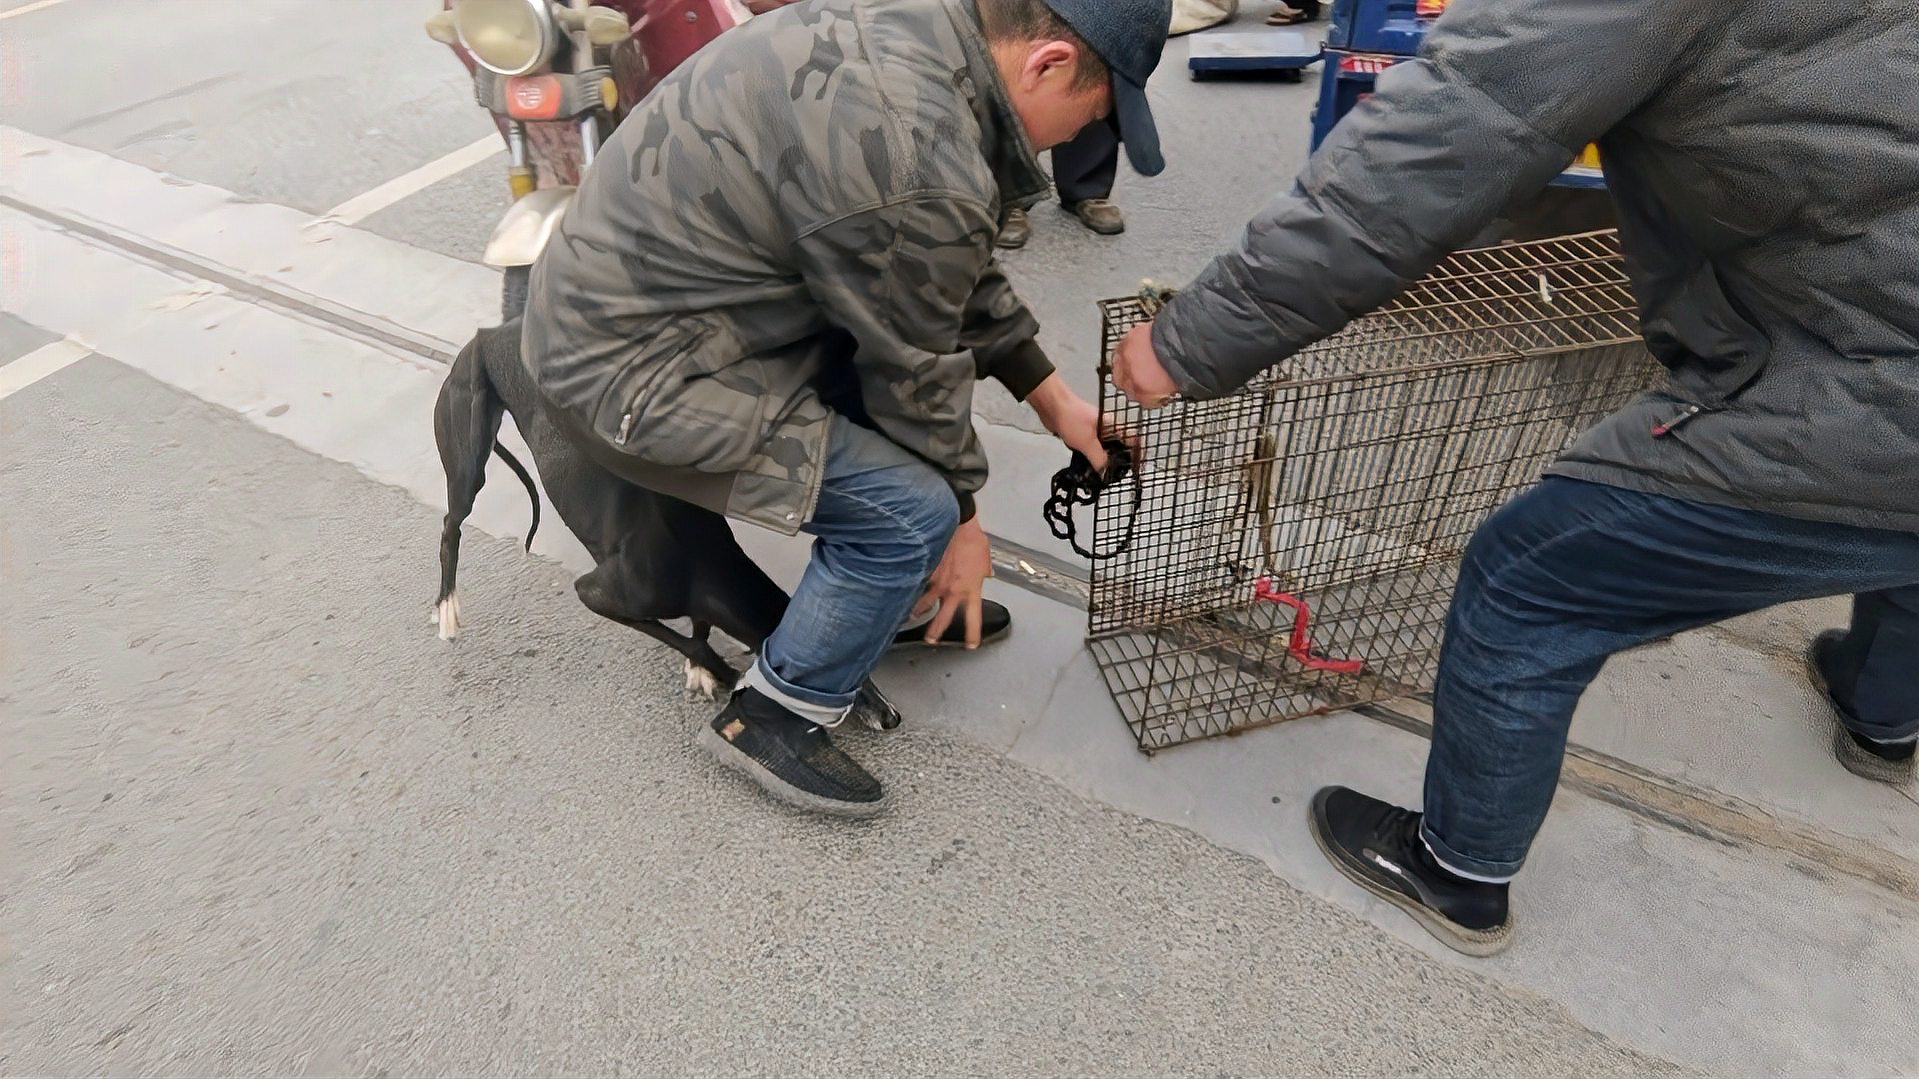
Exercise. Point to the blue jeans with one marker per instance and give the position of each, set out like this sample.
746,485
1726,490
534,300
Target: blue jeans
1571,572
882,525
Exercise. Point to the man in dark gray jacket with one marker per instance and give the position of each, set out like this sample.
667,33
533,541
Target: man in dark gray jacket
1765,164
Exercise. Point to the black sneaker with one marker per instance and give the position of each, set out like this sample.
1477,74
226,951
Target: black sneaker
793,759
995,622
1377,844
1888,762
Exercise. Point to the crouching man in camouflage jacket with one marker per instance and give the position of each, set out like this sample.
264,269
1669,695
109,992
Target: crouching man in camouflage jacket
775,291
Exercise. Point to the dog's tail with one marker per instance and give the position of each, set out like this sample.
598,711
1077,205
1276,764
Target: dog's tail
526,480
466,425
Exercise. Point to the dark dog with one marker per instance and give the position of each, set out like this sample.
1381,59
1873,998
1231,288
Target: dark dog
657,557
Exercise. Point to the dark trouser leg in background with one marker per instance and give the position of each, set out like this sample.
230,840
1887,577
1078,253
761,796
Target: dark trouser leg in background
1563,577
1085,167
1083,172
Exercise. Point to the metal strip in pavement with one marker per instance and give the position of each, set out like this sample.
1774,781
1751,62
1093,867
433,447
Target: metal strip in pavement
1708,814
369,329
365,205
24,371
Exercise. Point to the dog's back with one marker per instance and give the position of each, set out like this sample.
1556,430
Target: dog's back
602,510
685,557
656,557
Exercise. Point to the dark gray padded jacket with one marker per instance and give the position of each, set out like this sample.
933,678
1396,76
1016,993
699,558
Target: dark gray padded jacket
1765,161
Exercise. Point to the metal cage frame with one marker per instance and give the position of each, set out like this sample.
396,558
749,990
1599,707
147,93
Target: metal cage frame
1293,546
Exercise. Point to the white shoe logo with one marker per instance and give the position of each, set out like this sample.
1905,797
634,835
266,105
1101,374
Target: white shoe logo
1383,863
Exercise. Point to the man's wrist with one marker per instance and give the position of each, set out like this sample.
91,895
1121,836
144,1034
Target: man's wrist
1046,397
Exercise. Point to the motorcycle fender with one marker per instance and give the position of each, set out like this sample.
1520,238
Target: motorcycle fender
526,226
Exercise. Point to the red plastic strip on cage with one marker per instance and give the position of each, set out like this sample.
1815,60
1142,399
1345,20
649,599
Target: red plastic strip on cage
1301,646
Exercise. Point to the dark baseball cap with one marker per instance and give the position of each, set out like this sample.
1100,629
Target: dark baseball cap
1129,35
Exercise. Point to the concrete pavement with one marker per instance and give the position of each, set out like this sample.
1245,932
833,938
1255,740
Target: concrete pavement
260,820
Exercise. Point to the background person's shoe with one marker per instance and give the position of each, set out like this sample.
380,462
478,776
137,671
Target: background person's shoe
1014,230
1099,215
1888,762
1377,844
791,758
1294,12
995,621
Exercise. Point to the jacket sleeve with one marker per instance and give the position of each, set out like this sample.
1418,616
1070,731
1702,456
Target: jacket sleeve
901,279
1504,95
1003,335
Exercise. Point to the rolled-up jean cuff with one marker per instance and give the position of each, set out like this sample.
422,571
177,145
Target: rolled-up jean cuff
1470,868
825,709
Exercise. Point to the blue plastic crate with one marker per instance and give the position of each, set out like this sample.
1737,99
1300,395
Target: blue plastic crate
1365,38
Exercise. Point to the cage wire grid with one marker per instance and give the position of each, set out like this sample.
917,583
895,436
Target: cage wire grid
1295,544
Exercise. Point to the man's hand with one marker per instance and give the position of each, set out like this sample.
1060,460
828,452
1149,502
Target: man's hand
1137,370
956,583
1071,417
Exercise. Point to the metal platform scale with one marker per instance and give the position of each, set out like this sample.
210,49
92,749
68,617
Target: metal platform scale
1284,52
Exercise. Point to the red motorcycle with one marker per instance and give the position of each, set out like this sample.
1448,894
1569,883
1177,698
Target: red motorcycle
558,76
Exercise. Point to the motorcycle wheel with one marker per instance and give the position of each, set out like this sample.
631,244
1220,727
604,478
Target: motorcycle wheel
513,287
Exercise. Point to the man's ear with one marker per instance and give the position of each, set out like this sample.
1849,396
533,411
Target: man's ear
1049,57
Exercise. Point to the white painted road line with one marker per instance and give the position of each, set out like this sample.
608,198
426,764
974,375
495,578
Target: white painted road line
424,292
28,9
38,364
365,205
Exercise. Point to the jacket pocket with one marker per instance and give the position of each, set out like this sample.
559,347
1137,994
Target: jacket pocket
1704,336
644,388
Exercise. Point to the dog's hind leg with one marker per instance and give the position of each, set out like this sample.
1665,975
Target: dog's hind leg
466,420
611,592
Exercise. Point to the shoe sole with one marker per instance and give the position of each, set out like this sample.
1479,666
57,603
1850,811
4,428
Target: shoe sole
1850,756
985,639
1479,943
779,789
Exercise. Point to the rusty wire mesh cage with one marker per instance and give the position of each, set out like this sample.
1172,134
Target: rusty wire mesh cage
1294,545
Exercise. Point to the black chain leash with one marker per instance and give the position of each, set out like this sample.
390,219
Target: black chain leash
1080,484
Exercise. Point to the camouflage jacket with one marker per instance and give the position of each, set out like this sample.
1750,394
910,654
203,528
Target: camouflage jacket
811,199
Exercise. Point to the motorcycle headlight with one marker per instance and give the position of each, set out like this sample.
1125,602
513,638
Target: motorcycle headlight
507,37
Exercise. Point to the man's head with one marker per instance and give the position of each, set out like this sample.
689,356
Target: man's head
1070,63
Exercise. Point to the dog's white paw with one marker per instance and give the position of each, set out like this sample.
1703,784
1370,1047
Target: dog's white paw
446,615
700,681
